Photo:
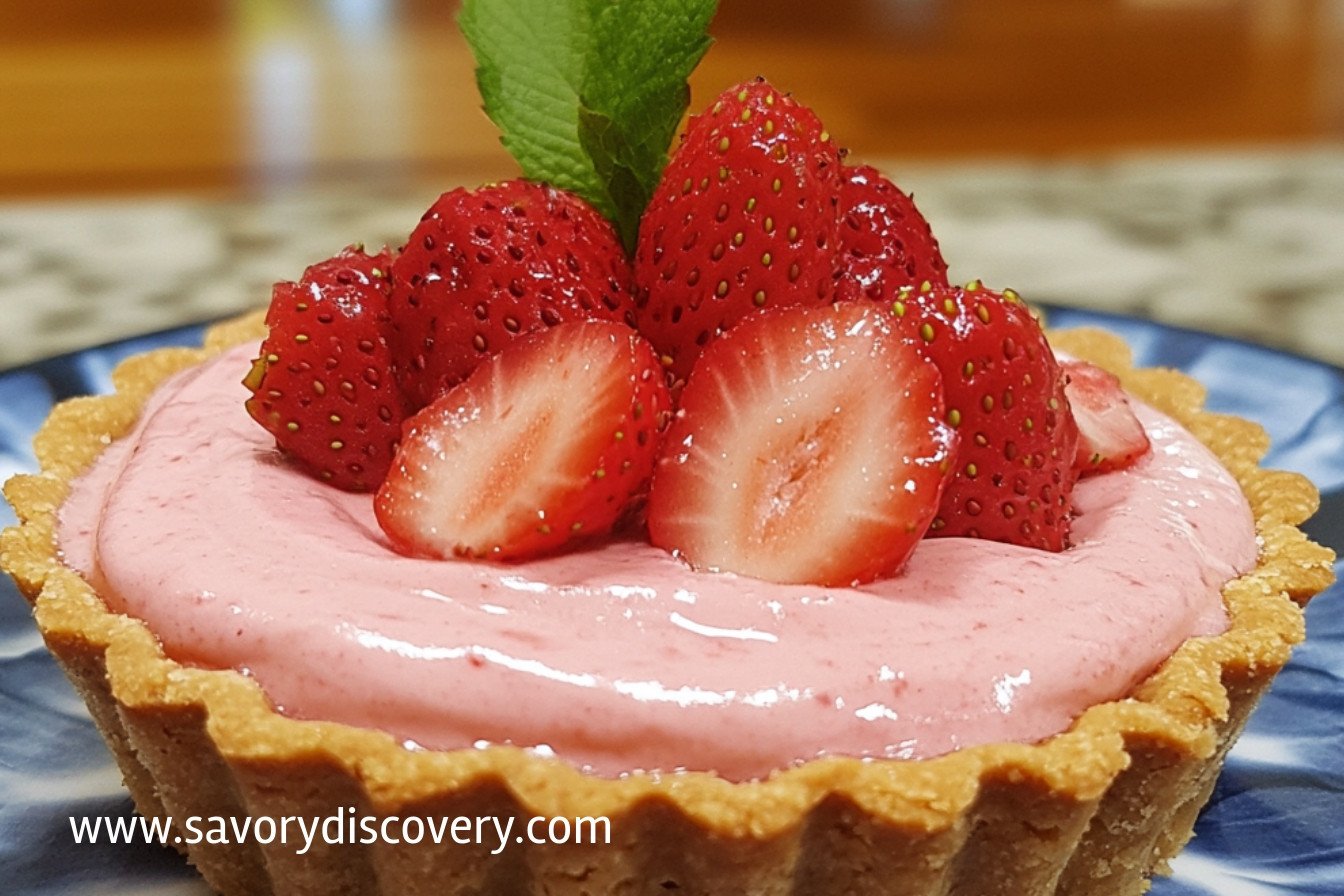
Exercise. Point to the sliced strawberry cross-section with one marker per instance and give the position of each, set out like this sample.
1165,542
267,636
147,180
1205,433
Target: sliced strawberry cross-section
546,443
1110,437
810,447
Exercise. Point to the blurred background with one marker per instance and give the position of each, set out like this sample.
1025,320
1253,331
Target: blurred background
165,161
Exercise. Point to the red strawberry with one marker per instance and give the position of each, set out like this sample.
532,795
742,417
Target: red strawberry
323,384
809,447
486,266
746,216
547,442
885,243
1110,437
1005,395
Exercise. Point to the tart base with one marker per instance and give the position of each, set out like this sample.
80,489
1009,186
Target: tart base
1095,810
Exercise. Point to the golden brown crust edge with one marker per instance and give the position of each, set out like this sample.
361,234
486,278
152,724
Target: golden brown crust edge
1108,801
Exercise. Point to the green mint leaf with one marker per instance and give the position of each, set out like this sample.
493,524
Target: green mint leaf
588,93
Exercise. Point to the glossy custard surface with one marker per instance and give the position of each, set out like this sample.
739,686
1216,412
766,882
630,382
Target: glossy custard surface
620,657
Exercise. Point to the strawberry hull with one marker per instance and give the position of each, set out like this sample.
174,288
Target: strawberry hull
885,243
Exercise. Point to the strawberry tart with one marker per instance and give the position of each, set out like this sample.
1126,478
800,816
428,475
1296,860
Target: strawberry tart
743,528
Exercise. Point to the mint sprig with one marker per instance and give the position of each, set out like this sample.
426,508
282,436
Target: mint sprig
588,93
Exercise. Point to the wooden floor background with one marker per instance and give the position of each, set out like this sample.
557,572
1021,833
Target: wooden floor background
111,96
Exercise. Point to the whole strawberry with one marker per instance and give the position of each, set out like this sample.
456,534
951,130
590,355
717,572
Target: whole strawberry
486,266
885,243
323,384
745,217
1005,396
546,443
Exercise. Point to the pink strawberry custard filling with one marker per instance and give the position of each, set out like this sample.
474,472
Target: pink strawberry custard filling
619,657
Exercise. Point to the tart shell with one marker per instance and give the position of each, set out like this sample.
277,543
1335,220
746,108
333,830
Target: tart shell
1097,809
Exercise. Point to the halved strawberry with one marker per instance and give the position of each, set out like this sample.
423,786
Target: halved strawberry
323,383
1110,437
809,447
547,442
486,266
885,243
745,217
1005,395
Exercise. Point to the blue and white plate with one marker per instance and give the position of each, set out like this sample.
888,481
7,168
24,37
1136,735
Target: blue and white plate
1275,826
